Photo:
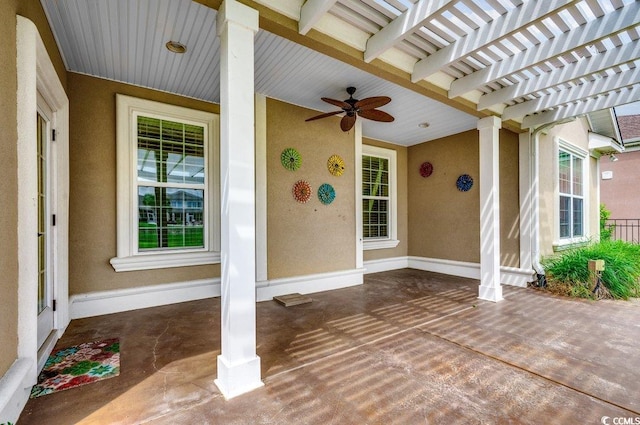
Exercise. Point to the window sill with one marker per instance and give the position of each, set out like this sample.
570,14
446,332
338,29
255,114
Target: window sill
380,244
563,245
164,260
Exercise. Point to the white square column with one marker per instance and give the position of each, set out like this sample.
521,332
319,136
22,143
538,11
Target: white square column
490,288
238,364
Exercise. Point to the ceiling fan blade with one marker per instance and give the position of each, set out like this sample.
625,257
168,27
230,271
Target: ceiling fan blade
338,103
372,102
376,115
328,114
347,122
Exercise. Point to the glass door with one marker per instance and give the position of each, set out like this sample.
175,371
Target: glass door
45,275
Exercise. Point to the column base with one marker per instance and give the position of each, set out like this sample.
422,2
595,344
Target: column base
234,380
490,293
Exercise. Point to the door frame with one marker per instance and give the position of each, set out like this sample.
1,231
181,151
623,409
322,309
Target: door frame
37,75
50,253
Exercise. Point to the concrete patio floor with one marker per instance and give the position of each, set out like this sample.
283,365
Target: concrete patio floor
407,347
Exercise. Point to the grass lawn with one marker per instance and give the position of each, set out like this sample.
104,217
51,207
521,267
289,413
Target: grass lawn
178,236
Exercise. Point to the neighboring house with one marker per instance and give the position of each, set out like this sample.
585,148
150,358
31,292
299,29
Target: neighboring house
620,179
158,190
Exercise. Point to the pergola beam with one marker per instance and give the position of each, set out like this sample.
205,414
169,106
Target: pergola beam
499,28
583,91
311,12
611,99
573,71
401,27
607,25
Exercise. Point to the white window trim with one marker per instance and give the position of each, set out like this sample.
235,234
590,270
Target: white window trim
128,258
391,241
561,144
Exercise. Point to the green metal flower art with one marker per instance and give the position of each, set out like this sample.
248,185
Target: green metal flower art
291,159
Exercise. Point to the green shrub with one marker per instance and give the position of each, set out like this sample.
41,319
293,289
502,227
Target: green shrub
621,274
605,231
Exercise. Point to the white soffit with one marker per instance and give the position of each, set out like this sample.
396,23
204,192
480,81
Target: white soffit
494,53
124,40
296,74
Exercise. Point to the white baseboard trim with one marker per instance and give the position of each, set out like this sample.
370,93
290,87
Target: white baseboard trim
118,300
508,275
15,388
386,264
308,284
516,277
438,265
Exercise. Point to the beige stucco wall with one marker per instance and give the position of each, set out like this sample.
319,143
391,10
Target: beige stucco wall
444,223
311,237
403,219
92,212
8,190
509,200
576,133
9,261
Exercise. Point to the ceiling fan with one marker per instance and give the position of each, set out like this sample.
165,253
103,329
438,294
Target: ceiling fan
366,108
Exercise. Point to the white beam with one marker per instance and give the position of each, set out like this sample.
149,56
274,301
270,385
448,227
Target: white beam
625,95
499,28
490,288
401,27
238,365
583,91
573,71
592,31
311,12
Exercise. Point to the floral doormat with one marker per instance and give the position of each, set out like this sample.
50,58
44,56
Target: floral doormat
79,365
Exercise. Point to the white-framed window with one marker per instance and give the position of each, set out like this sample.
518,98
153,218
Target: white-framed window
168,191
571,197
379,198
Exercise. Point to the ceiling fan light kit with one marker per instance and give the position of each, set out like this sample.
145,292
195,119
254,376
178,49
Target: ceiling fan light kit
352,108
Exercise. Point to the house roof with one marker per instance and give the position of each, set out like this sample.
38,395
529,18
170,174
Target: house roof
444,62
629,128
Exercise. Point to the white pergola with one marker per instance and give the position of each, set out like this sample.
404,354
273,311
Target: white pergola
533,62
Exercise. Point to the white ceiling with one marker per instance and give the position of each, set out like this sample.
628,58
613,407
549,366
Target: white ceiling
530,62
124,40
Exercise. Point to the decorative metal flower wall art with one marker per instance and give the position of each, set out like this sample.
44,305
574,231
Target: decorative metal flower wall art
426,169
326,193
464,183
335,164
291,159
301,191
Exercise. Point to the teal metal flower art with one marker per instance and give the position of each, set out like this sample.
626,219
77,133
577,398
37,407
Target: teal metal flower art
326,193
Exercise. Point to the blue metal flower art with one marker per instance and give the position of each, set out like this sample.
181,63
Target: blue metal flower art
464,183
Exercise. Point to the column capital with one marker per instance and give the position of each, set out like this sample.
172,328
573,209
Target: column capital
489,122
237,13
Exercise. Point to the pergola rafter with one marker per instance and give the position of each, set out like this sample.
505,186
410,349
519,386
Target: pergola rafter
582,91
497,29
609,100
401,27
311,12
591,32
579,69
